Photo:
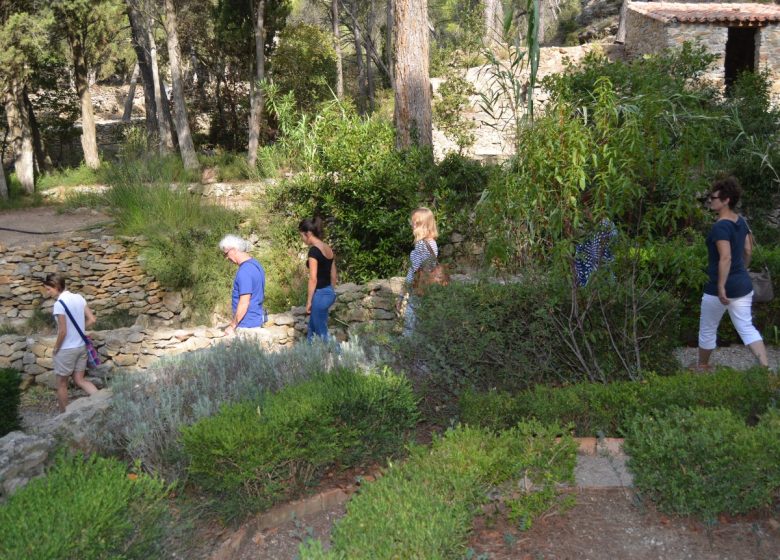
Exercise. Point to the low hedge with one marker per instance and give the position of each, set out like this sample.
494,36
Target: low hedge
261,453
705,461
595,408
513,336
10,397
424,508
85,508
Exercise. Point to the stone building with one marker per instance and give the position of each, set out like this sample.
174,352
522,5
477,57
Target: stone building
744,36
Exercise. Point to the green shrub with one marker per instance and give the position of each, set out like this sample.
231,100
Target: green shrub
304,62
87,509
514,335
272,451
150,408
10,397
423,508
704,461
595,408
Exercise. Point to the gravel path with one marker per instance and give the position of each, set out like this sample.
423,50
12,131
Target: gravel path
737,357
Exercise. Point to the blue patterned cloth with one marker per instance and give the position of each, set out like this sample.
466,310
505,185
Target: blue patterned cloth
594,251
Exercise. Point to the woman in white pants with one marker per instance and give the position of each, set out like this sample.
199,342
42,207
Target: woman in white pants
729,248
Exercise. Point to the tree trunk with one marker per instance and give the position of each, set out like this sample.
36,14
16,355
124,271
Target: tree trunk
160,99
3,184
140,42
334,8
256,100
128,112
361,69
369,70
620,37
412,81
389,41
81,79
186,145
21,137
494,23
42,159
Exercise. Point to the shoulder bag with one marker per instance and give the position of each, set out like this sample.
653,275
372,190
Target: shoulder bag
93,358
763,290
430,272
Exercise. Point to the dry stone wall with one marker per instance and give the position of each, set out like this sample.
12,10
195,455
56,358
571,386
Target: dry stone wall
138,347
106,271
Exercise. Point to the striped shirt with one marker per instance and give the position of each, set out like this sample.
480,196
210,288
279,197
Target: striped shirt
418,256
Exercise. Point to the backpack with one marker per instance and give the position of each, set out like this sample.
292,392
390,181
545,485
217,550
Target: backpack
430,272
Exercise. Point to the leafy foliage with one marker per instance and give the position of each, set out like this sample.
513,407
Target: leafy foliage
595,408
449,108
263,453
424,507
705,461
305,63
151,408
10,397
88,508
514,335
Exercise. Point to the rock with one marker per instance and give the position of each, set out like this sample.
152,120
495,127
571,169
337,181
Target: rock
125,360
22,458
209,176
49,379
172,301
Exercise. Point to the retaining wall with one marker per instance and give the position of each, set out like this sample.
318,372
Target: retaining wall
138,347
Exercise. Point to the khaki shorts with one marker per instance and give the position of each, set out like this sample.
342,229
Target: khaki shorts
70,360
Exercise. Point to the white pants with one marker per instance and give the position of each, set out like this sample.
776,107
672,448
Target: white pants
739,311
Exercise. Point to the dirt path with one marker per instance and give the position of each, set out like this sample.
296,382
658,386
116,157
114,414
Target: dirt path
46,223
616,524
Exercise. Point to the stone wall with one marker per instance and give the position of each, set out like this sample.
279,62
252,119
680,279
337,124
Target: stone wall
106,271
711,37
769,48
644,35
138,347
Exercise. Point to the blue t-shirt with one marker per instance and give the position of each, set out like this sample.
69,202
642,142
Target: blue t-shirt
250,279
738,282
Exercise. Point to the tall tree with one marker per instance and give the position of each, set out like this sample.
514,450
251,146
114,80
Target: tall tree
255,84
412,82
23,37
335,26
140,42
494,23
88,27
186,145
128,111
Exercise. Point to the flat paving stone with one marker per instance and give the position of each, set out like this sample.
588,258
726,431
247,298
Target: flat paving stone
602,471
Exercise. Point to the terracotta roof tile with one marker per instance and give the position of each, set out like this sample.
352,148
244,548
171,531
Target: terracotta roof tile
720,13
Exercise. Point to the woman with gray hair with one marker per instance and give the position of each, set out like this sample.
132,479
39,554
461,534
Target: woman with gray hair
248,286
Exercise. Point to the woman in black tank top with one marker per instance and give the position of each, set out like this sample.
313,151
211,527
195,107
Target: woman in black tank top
322,278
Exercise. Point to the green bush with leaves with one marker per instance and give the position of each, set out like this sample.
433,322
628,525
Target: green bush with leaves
514,335
449,109
273,450
304,62
86,508
150,408
595,408
424,507
10,397
705,461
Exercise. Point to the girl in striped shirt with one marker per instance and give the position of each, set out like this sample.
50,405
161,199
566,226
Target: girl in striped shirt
425,233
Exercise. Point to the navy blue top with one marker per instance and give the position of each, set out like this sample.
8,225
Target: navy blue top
738,282
250,279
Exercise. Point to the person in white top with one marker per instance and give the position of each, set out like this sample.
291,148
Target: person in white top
70,351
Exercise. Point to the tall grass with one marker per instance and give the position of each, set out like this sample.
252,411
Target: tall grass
68,177
152,407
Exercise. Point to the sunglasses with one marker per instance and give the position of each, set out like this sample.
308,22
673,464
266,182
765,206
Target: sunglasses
226,253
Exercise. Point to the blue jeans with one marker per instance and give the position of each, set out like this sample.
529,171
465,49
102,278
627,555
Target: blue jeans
318,320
